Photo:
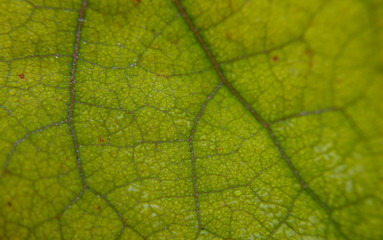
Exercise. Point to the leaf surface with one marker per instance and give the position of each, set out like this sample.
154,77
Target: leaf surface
166,119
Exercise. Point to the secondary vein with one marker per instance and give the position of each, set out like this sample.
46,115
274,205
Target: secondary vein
72,97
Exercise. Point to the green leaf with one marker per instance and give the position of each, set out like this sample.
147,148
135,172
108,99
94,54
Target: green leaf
245,119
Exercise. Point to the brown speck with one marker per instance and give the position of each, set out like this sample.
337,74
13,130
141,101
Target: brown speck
9,204
308,52
21,76
228,35
101,140
219,149
136,1
66,158
98,208
275,58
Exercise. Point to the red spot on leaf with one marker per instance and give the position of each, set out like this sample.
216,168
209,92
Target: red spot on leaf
101,140
275,58
21,76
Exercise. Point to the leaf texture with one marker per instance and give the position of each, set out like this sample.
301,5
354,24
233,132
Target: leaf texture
232,119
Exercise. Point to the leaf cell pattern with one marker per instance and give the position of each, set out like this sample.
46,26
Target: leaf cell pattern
166,119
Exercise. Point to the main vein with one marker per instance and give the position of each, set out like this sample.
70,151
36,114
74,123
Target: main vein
248,107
